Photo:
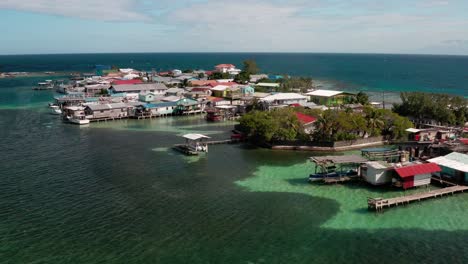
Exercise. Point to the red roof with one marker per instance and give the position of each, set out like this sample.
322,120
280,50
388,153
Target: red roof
215,99
120,82
200,89
224,66
208,73
464,141
202,82
418,169
305,119
295,105
222,83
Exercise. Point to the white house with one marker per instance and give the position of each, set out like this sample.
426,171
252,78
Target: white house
227,68
285,99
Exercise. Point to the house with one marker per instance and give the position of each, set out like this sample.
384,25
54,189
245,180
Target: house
106,111
147,97
96,89
416,175
227,68
285,99
176,72
454,167
161,109
257,77
306,121
219,90
247,90
156,88
188,106
270,86
421,135
331,98
377,172
175,92
198,92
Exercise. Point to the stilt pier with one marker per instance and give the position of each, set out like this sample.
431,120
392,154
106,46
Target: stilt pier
379,204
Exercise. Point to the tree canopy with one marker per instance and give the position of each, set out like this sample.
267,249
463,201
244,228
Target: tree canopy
250,67
446,109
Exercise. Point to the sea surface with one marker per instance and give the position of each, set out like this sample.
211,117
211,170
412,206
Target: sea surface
115,192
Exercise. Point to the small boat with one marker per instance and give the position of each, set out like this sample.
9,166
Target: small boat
55,110
214,116
321,176
79,120
47,85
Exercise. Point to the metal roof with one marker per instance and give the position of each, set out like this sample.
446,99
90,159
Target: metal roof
418,169
97,107
139,87
158,105
325,93
413,130
339,159
194,136
454,160
284,96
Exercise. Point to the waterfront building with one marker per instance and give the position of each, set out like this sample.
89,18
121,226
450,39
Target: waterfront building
415,175
331,98
454,167
188,106
157,88
377,172
106,111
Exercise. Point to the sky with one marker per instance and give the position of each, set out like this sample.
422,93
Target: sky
351,26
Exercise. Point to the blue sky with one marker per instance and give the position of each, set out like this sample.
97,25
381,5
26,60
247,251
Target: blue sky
362,26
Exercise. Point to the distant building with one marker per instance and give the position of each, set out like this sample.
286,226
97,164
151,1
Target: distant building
157,88
227,68
331,98
285,99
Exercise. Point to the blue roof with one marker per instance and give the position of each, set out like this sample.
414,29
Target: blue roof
157,105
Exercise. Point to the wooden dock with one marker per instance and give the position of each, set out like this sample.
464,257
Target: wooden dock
378,204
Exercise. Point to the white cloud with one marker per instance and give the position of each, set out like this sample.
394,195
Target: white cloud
105,10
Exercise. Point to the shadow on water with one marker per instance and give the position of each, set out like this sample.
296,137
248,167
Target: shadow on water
101,195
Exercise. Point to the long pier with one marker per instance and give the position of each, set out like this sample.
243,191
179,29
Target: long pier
378,204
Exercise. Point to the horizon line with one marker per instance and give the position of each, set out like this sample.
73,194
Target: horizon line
237,52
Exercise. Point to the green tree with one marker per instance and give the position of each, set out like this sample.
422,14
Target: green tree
250,67
362,98
219,75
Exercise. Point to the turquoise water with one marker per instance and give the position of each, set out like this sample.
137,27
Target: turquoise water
115,192
370,72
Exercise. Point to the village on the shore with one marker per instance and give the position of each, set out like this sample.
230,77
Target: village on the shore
425,136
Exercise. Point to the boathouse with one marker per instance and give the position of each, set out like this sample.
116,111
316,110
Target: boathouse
377,172
454,167
330,98
416,175
106,111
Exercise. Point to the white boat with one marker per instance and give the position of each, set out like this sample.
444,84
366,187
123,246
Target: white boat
55,110
79,120
47,85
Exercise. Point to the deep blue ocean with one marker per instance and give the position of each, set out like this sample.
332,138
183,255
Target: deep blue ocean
367,72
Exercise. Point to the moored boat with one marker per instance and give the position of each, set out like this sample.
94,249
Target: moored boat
47,85
55,110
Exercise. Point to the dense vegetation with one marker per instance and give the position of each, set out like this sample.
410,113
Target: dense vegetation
446,109
332,125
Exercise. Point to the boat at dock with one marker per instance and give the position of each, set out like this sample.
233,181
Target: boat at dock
75,115
47,85
194,144
55,109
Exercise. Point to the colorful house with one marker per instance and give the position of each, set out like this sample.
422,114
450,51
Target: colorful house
331,98
188,106
155,109
247,90
416,175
